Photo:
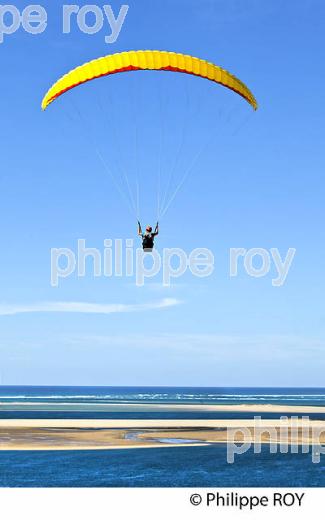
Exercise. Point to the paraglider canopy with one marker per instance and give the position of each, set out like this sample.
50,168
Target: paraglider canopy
147,60
171,169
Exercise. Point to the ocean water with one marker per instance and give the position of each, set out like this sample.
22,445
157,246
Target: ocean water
127,402
191,395
169,467
158,467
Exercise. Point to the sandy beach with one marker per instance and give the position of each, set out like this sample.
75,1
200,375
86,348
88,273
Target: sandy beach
95,434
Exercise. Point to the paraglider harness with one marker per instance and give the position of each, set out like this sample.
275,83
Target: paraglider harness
147,241
148,238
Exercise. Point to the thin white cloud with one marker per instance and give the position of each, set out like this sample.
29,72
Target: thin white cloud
85,307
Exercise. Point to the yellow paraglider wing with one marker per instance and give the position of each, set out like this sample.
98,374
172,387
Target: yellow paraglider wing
147,60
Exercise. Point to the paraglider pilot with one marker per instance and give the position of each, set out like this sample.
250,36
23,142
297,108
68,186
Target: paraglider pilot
148,237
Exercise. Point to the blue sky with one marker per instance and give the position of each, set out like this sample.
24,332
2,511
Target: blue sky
258,183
